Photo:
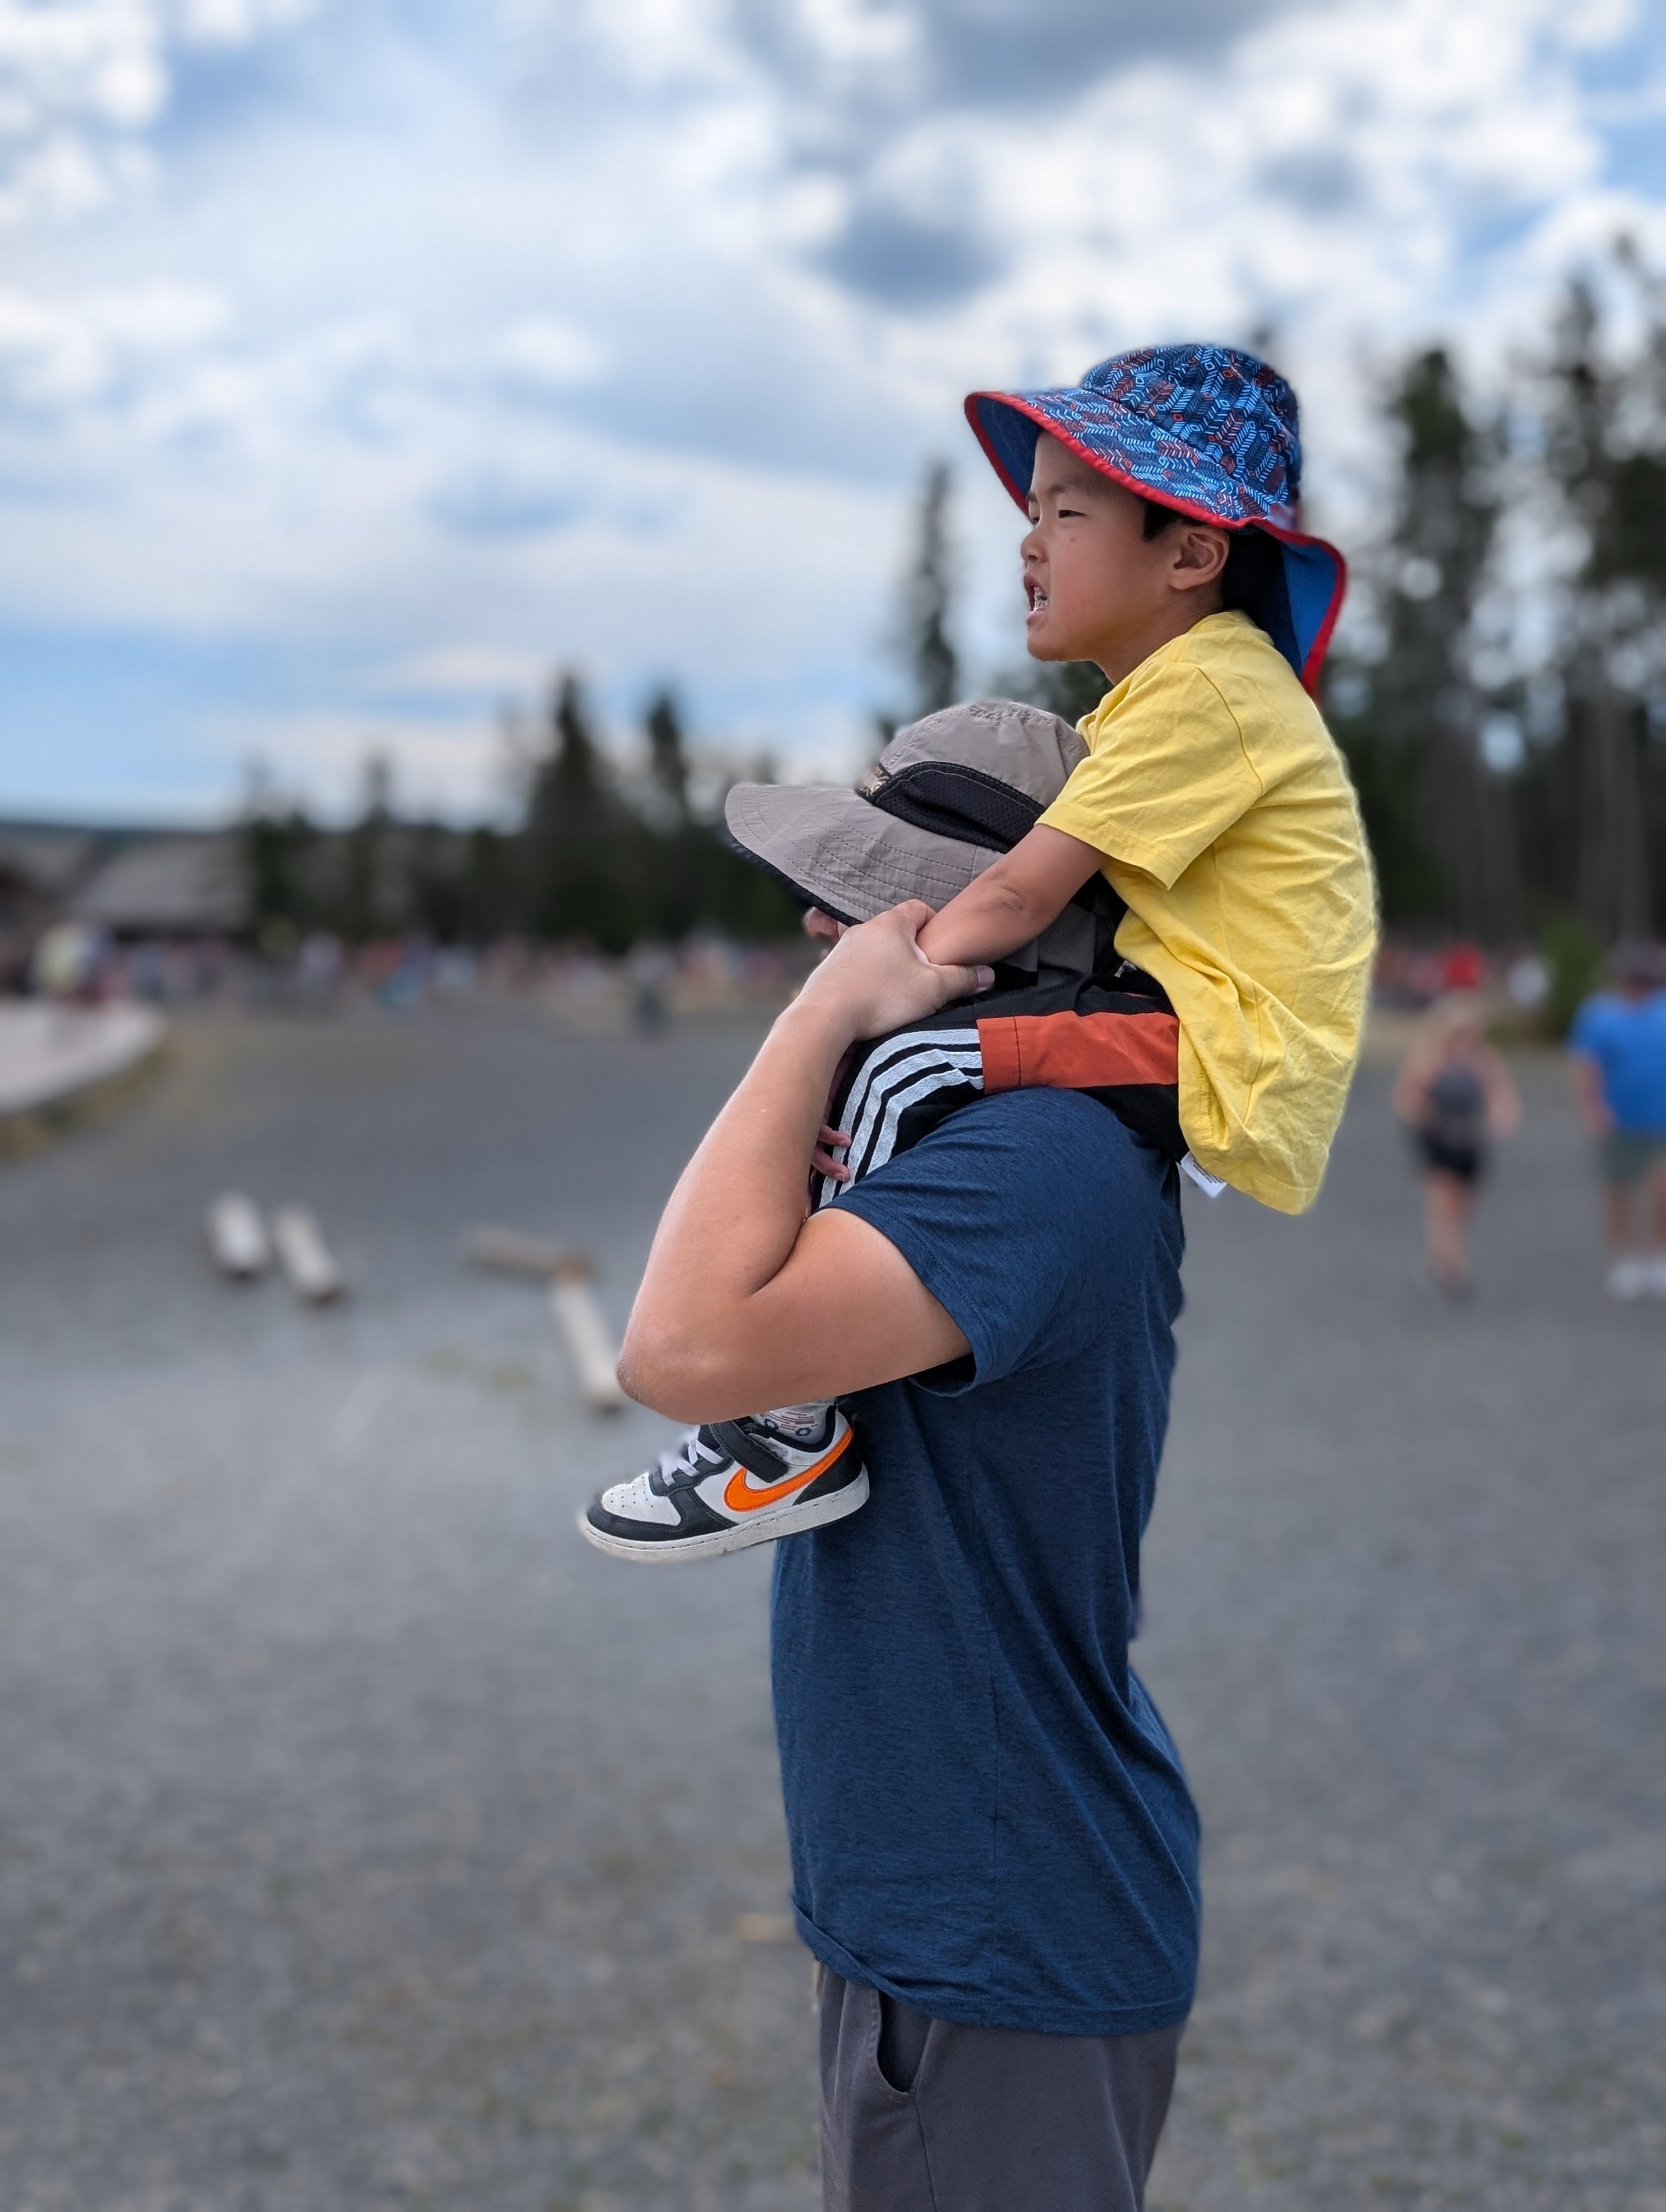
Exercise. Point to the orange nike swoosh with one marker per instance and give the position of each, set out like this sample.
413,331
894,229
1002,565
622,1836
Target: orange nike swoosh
739,1498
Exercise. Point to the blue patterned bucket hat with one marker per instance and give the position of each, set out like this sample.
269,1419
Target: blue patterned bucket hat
1204,429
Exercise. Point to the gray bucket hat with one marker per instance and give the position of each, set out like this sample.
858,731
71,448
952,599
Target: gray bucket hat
946,795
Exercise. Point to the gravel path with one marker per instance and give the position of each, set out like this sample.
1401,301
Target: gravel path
368,1842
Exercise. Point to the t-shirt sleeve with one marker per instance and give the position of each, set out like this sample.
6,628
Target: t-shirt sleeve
1009,1214
1170,775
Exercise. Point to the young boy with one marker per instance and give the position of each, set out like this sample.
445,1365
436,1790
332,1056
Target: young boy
1161,496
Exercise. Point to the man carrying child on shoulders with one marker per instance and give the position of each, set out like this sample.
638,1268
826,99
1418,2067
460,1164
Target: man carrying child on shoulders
993,1846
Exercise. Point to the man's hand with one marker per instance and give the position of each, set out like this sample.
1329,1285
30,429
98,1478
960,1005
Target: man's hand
883,981
876,978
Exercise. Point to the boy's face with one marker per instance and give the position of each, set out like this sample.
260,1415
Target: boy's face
1099,588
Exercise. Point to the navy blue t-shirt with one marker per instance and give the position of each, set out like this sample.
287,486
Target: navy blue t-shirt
987,1818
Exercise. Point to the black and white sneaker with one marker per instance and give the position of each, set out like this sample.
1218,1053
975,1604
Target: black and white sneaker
729,1484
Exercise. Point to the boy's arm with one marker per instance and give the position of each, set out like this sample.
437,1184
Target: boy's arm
1013,900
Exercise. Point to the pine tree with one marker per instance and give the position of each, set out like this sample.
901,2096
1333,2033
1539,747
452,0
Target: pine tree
1070,688
579,845
932,662
1439,817
1606,447
370,903
278,856
668,758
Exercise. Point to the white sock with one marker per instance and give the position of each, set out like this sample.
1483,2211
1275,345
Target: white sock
801,1422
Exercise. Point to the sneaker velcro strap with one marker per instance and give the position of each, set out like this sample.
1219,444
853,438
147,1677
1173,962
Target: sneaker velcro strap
748,1450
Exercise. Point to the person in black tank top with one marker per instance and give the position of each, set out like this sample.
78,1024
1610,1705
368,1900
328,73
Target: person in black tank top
1455,1096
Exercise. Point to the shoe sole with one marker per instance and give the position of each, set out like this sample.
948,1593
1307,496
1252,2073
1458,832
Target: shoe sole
814,1513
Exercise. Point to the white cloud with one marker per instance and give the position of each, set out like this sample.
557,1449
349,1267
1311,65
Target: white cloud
79,78
233,22
442,765
62,356
611,331
461,668
101,61
544,355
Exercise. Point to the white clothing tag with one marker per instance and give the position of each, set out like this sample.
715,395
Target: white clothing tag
1211,1186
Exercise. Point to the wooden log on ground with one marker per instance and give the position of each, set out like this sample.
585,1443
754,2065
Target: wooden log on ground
590,1346
578,1318
517,1253
307,1258
237,1237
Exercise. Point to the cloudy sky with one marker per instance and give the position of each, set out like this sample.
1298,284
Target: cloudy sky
361,359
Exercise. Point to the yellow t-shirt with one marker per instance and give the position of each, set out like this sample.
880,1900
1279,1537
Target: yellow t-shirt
1229,826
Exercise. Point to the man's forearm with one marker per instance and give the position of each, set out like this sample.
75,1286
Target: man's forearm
744,1304
736,1213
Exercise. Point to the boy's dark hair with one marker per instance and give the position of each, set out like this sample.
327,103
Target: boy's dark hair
1252,582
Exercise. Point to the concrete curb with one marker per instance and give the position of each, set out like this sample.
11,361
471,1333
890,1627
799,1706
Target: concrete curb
61,1067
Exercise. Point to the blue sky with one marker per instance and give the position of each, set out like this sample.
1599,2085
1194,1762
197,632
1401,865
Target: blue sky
362,360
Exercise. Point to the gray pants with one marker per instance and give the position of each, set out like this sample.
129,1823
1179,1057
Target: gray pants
919,2115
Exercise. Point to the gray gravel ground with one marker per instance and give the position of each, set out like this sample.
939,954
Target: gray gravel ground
368,1842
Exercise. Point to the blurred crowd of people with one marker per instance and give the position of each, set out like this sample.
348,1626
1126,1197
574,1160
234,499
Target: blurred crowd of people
76,963
1414,976
1456,1096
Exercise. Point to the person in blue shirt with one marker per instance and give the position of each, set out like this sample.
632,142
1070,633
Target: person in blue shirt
994,1850
1618,1055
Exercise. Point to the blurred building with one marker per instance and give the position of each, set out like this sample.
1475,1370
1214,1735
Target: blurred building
129,884
168,886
